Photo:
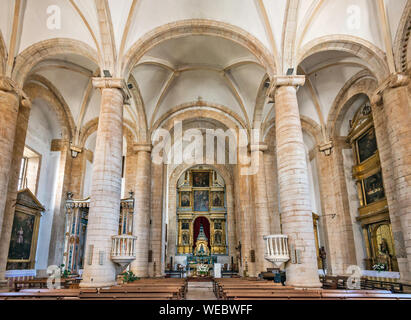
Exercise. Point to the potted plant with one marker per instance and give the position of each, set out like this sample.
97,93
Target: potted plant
129,276
64,273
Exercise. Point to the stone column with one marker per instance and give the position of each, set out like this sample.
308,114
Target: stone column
11,192
339,240
270,163
9,108
156,267
142,208
394,97
99,270
78,171
56,247
242,191
262,218
295,206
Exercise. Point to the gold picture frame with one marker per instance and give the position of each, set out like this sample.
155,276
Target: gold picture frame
26,222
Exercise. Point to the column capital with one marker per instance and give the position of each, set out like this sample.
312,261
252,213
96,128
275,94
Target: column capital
112,83
394,80
261,146
142,147
75,150
326,147
285,81
8,85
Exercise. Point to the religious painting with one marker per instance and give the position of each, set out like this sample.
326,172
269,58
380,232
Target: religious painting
201,179
218,198
21,236
185,199
373,188
185,226
201,200
367,145
217,225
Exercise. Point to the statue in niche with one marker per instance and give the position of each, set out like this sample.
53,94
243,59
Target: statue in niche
202,244
184,239
217,238
218,199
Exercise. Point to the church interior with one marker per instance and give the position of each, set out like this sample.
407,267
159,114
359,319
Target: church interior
230,149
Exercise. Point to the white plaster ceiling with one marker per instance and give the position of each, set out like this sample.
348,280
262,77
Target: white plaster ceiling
263,19
195,66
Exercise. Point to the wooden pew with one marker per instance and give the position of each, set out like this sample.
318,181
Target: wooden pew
42,283
118,294
171,288
40,294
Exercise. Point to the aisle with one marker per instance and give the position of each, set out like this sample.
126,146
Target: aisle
200,291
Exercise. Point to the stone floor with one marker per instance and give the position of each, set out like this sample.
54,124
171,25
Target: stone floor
200,291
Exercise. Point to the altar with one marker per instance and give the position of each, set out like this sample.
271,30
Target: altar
201,222
201,262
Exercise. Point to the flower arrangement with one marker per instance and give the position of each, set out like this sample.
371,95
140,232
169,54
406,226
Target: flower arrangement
379,267
129,276
202,269
64,273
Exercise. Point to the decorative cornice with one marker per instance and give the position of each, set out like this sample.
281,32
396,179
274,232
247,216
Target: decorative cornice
395,80
326,147
285,81
75,150
112,83
8,85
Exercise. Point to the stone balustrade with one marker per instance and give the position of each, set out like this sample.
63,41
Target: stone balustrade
276,249
123,249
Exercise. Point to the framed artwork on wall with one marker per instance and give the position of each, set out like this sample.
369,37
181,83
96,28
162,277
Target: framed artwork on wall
185,199
217,199
201,179
201,200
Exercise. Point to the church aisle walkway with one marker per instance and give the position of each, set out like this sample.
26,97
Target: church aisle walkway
200,291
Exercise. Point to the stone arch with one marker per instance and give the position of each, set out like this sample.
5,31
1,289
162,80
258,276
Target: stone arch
61,101
308,125
91,126
402,50
358,47
259,103
198,27
42,50
199,109
142,127
37,91
3,55
361,83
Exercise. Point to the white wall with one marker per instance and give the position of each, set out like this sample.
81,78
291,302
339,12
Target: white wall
42,128
354,203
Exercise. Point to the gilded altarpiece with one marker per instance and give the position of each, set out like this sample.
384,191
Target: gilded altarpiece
201,198
373,210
